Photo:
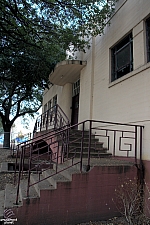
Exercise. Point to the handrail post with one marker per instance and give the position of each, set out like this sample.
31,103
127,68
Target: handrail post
141,138
29,170
16,161
82,143
47,116
55,119
19,177
68,140
63,146
89,149
57,158
23,155
136,144
41,123
114,150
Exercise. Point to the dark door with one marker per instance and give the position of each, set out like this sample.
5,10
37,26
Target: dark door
75,110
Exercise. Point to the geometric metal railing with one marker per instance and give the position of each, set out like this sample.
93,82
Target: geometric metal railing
52,118
121,140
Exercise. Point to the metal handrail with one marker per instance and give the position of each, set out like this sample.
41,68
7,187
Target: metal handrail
116,136
52,118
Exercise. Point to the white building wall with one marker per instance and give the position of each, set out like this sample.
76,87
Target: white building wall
64,97
126,99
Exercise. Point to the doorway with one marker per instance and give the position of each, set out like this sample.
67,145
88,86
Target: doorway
75,110
75,103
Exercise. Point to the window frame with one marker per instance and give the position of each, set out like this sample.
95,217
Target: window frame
124,45
148,39
45,107
55,100
76,88
50,104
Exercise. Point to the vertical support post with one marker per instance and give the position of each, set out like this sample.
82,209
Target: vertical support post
89,148
47,119
82,144
135,145
19,177
63,145
141,171
57,158
141,138
29,171
16,161
114,148
55,119
41,123
23,155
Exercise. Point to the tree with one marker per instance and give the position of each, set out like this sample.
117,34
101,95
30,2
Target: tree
1,126
130,201
34,36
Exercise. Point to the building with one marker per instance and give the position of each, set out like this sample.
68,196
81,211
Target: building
106,93
110,82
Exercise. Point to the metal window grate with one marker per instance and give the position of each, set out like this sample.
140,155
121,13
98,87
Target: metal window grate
76,88
122,58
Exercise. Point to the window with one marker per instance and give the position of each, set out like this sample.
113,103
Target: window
148,38
76,88
55,100
45,107
122,58
49,104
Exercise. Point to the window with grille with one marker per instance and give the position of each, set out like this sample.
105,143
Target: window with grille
55,100
76,88
45,107
49,104
122,58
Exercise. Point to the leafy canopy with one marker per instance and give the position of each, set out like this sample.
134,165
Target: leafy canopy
34,36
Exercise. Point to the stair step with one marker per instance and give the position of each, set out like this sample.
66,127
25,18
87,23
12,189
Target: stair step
78,133
56,178
10,196
67,172
86,138
72,131
86,144
23,190
2,199
85,154
42,184
85,150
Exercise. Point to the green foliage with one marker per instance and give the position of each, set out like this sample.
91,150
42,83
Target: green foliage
34,36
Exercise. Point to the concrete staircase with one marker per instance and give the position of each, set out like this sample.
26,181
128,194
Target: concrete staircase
8,196
70,196
96,149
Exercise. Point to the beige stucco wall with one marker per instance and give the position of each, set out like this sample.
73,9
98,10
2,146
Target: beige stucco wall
127,99
64,97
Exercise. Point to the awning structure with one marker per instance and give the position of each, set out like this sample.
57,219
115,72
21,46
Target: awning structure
67,71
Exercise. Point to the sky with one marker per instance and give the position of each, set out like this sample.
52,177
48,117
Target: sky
20,127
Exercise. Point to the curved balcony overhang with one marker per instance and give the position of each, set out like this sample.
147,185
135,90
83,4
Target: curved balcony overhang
67,71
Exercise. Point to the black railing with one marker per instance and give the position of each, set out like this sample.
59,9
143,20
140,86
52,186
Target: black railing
121,140
53,118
